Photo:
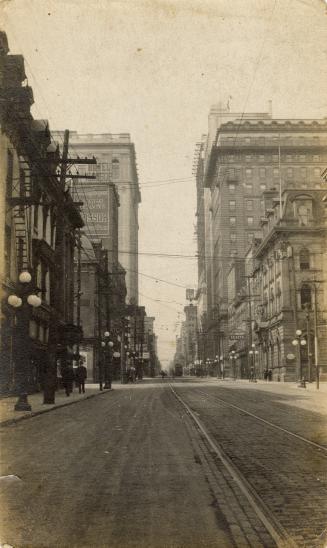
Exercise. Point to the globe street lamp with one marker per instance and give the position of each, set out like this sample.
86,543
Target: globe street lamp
297,342
26,296
107,346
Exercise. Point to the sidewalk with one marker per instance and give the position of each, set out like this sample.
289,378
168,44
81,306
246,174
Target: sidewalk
8,415
307,398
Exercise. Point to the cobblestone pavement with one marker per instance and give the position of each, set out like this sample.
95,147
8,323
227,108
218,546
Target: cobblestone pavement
126,468
288,474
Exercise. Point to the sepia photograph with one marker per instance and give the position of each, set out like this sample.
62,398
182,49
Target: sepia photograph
163,273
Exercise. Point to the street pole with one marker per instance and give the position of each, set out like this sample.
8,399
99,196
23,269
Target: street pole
309,345
316,337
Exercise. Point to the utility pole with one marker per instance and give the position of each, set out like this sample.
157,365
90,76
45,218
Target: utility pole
50,379
79,284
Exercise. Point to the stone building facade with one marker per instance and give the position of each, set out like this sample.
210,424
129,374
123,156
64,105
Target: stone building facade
39,221
249,155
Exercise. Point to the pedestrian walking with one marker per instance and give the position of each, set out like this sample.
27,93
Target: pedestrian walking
81,375
68,378
132,373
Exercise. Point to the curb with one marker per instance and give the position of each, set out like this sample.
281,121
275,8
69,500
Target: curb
9,422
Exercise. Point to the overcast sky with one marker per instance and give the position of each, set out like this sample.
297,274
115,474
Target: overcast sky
153,69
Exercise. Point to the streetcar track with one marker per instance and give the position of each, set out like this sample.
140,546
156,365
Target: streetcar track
271,424
272,525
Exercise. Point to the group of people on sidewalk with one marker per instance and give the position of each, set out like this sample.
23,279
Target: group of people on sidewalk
69,376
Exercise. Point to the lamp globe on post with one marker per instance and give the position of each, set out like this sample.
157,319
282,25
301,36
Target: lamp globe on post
20,303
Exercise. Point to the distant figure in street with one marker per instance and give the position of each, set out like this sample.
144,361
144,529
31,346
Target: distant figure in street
68,378
269,375
132,374
162,373
81,374
251,374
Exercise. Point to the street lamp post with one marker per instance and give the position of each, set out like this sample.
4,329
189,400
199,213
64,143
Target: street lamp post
232,356
26,296
253,354
107,346
297,342
221,359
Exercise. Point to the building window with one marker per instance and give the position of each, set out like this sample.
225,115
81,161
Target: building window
231,158
231,187
261,157
275,157
248,158
316,158
248,185
304,259
263,186
232,237
262,172
288,157
250,237
115,168
302,157
7,253
248,173
316,172
10,173
232,221
276,172
250,221
305,295
232,205
249,205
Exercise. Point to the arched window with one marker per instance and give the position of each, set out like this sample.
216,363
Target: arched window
305,296
115,168
304,259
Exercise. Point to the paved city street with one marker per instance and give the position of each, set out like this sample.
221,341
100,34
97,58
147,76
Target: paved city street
129,468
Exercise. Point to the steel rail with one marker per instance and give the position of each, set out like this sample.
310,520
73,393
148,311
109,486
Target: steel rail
275,529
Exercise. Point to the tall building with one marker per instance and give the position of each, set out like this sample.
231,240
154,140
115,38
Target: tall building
244,156
116,166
